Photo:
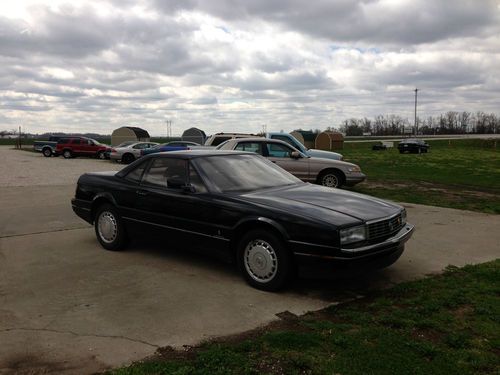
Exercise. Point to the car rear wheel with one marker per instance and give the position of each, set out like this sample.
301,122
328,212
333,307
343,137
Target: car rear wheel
333,179
67,154
47,152
264,260
128,158
109,228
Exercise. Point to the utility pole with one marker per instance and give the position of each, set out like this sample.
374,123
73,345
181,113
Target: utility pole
169,129
416,125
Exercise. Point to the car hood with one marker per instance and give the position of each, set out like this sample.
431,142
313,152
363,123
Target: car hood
324,154
335,206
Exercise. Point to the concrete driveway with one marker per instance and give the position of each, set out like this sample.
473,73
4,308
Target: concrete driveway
68,306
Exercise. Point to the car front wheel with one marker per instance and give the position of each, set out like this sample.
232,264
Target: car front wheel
331,179
109,228
264,260
101,155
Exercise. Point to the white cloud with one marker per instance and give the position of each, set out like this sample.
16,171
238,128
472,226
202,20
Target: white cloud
236,65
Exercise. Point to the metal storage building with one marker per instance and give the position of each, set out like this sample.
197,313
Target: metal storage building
129,133
329,141
194,135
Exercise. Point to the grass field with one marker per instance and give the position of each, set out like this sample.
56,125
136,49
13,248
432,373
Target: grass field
447,324
462,174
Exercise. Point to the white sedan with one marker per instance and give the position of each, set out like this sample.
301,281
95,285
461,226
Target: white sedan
128,153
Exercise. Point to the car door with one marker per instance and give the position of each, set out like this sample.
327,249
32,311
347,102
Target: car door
164,201
77,147
281,155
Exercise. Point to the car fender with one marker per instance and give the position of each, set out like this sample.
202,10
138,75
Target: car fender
253,220
102,197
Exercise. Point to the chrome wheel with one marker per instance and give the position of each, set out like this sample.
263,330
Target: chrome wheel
101,155
67,154
261,262
330,180
107,227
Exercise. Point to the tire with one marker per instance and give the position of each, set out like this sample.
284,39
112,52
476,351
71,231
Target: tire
264,261
67,154
47,152
109,228
333,179
128,158
101,155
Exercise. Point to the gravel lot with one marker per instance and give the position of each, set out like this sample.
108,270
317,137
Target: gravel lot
23,168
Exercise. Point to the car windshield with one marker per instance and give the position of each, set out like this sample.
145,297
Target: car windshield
231,173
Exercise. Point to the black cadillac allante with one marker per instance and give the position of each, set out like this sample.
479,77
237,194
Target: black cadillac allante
243,206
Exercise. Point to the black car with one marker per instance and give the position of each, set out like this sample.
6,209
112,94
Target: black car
245,207
379,146
415,146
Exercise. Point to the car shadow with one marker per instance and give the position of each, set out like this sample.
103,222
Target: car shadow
330,288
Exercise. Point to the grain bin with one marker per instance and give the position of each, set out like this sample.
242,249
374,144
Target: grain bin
329,141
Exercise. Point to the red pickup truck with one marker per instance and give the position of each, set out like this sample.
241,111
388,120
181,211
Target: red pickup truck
70,147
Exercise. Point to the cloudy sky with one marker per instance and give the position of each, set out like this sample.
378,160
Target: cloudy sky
237,65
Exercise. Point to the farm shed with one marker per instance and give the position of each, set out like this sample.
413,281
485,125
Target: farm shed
329,141
306,137
194,135
128,133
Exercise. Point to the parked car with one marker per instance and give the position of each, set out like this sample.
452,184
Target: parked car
243,207
326,172
70,147
130,151
47,148
379,146
217,139
410,145
290,139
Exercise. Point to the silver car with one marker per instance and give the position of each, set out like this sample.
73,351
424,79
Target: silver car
326,172
128,153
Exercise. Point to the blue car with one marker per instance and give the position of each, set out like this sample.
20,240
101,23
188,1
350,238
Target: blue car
169,146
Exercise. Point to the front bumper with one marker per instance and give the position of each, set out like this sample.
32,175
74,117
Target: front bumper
333,261
352,179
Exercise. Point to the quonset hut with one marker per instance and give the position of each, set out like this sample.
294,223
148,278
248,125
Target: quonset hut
194,135
329,141
129,133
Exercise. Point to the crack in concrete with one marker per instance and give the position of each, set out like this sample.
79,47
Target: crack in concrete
79,334
43,232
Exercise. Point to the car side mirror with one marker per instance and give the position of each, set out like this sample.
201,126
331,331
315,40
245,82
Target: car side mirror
295,155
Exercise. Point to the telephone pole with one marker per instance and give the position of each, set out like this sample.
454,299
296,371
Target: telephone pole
169,129
415,123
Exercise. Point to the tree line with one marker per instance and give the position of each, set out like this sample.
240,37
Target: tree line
448,123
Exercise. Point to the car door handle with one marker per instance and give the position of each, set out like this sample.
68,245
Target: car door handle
141,192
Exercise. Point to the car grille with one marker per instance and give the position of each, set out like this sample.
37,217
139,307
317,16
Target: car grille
385,228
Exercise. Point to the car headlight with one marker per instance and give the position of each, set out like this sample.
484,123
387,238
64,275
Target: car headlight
403,216
353,234
354,169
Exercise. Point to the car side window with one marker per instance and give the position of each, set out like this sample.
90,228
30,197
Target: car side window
275,150
218,140
250,147
135,175
283,138
76,141
162,169
140,146
195,180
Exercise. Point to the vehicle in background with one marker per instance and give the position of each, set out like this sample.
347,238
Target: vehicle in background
326,172
290,139
379,146
130,151
243,208
172,146
217,139
70,147
47,148
413,145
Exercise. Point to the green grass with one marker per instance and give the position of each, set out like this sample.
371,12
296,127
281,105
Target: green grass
461,174
447,324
